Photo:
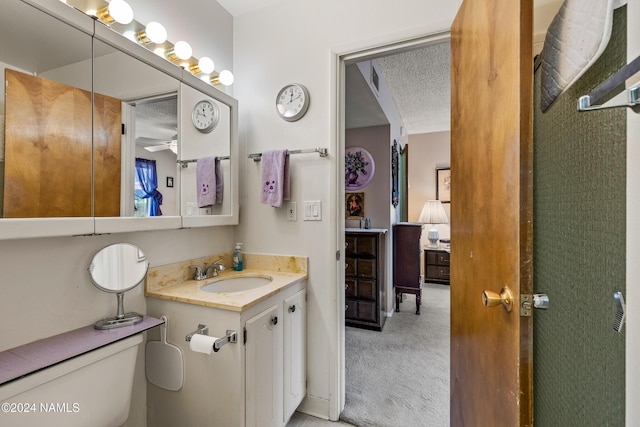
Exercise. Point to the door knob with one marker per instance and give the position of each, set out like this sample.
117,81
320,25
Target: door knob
504,298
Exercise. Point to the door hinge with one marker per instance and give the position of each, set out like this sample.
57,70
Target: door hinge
244,336
338,255
123,132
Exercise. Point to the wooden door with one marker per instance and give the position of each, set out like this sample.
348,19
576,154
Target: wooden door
491,211
107,148
47,148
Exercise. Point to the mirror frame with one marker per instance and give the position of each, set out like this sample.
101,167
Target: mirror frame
15,228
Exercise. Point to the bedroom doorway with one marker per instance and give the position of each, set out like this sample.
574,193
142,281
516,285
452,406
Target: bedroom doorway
365,395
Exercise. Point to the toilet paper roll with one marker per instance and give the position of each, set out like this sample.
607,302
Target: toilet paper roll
202,343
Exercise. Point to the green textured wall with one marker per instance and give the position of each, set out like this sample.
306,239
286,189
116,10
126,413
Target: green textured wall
579,252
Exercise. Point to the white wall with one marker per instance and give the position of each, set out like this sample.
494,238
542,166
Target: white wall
267,55
427,151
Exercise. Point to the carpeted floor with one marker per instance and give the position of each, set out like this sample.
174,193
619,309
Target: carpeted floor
400,376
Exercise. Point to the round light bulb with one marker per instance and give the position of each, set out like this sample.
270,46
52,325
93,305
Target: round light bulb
156,32
120,11
182,50
206,65
226,77
130,35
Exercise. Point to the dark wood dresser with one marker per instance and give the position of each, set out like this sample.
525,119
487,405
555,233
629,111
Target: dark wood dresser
436,266
406,261
364,288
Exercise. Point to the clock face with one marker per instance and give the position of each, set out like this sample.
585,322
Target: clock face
205,116
292,102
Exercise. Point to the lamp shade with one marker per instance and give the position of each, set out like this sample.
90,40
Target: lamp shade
433,213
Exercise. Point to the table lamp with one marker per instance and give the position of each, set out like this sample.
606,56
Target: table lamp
433,213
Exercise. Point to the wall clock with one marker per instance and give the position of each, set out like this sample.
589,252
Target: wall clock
205,116
292,102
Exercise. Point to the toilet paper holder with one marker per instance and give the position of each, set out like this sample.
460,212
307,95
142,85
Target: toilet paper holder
230,337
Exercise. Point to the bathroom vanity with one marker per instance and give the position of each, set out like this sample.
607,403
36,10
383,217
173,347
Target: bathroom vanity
257,381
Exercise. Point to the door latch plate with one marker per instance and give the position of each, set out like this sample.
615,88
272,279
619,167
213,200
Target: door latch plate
525,305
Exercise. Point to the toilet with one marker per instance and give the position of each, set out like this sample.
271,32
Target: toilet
93,389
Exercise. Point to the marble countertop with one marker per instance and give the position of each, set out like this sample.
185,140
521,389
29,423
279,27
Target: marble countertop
190,292
164,282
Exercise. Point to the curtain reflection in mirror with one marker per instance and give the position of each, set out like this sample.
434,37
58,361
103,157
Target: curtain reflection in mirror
148,198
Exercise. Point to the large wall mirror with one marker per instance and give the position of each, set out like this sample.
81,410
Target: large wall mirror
45,158
97,131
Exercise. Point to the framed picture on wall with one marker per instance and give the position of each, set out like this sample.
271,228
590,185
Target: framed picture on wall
359,168
354,205
443,184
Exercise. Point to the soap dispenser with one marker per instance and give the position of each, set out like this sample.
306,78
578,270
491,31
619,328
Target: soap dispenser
237,257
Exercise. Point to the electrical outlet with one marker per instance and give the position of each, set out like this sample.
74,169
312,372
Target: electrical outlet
291,211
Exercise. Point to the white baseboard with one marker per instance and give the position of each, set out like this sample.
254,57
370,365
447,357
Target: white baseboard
315,406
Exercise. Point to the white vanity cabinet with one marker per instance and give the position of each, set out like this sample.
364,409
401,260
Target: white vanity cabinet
275,362
257,381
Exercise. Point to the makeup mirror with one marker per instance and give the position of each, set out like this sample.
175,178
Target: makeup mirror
118,268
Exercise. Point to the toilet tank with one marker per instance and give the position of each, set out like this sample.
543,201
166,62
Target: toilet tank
93,389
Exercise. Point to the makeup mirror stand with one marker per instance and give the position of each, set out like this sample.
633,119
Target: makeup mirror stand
121,319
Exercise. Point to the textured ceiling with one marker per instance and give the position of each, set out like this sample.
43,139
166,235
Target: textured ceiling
419,82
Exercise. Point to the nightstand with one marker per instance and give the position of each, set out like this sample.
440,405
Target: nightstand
436,266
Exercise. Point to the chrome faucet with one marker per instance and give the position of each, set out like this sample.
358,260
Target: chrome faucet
215,266
199,275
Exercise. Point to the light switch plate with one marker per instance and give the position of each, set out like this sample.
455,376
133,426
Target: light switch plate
312,210
291,211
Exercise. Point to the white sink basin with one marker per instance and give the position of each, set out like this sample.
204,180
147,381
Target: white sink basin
236,284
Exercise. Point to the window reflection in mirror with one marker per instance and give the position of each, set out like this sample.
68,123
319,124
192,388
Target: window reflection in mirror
45,115
131,167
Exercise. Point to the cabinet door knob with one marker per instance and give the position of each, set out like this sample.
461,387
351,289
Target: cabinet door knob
274,320
346,307
346,286
292,308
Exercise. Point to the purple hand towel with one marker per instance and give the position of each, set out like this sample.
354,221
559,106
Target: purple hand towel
275,177
219,181
206,181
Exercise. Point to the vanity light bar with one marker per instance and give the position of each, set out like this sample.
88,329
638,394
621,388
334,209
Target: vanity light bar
118,15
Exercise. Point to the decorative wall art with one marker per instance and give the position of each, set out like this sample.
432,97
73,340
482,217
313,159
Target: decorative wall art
359,168
395,195
354,205
443,184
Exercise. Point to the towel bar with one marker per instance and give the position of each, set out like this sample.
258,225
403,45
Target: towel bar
323,153
185,163
627,98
